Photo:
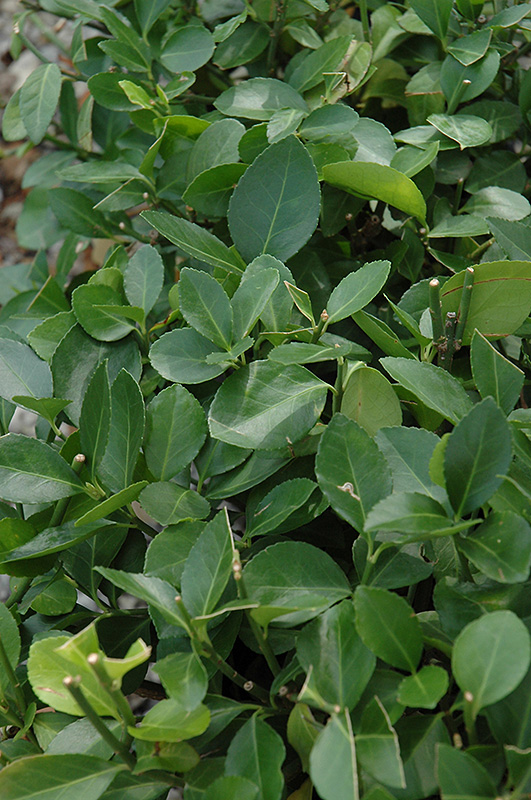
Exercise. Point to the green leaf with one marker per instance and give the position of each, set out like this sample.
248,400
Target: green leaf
513,238
46,407
433,386
113,503
333,764
154,591
382,335
107,91
95,418
33,472
409,512
75,212
301,300
196,241
42,776
101,313
210,192
471,48
205,306
38,100
125,433
257,753
435,14
351,471
408,452
217,144
143,278
295,579
265,406
275,206
306,353
13,129
338,664
380,182
184,677
477,456
243,45
459,227
208,567
99,172
377,746
10,638
330,123
168,551
169,503
187,48
45,337
54,540
388,627
181,354
494,375
494,201
480,75
329,57
465,129
250,299
148,12
460,775
259,98
370,400
278,505
169,722
500,547
168,445
231,787
22,372
357,290
302,732
480,664
425,688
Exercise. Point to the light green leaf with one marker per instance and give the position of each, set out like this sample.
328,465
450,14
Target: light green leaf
143,278
22,372
259,98
180,356
66,776
257,753
169,503
357,290
38,99
187,48
169,722
412,513
494,375
329,57
494,201
184,677
468,49
465,129
380,182
370,400
154,591
333,763
425,688
435,14
208,567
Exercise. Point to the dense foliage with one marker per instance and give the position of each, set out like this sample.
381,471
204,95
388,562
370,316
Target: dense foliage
283,451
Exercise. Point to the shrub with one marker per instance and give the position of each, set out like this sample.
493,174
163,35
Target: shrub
326,563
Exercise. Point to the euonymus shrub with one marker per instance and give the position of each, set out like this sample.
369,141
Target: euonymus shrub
282,455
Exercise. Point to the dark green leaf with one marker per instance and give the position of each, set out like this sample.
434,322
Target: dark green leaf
60,775
125,433
329,57
208,567
333,763
500,547
259,98
357,290
143,278
169,503
33,472
22,372
187,48
205,306
167,553
459,775
39,96
278,504
257,753
494,375
180,356
370,400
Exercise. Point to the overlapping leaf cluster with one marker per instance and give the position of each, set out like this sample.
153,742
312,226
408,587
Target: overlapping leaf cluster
282,451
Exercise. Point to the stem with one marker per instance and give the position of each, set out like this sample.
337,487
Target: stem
458,195
338,396
321,327
436,312
482,247
124,709
73,686
60,509
364,14
12,678
470,720
275,34
233,675
448,348
19,592
464,305
261,638
49,34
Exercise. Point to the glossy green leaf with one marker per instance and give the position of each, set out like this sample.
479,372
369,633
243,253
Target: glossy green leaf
382,335
296,579
477,456
33,472
479,659
425,688
275,206
460,775
231,787
329,57
351,471
513,238
180,356
168,446
274,405
480,74
307,353
54,540
494,375
412,513
195,241
217,144
205,306
113,503
143,278
22,372
60,775
257,753
125,433
208,567
156,592
435,14
337,662
184,678
167,553
469,49
494,201
500,547
187,48
210,191
259,98
45,337
169,503
370,400
435,387
333,763
250,299
408,452
243,45
39,96
388,627
357,290
377,746
380,182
